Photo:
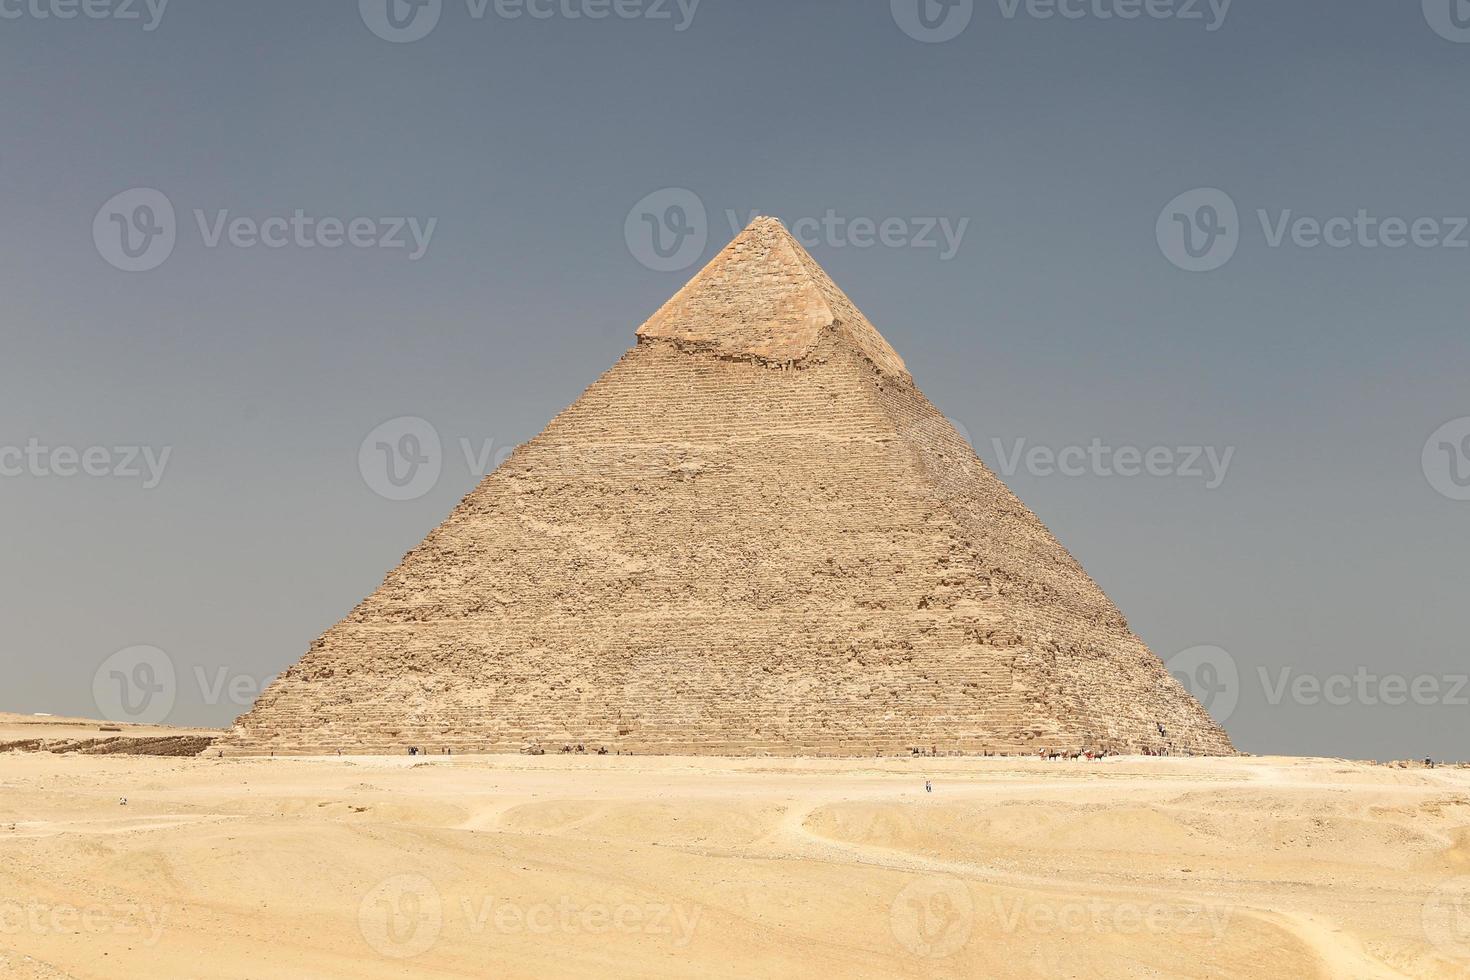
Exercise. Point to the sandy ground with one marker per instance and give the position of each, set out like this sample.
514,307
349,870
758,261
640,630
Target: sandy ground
577,867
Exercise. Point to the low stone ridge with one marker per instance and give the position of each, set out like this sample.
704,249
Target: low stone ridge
159,745
752,536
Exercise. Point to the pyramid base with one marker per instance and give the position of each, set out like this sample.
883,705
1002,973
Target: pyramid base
430,747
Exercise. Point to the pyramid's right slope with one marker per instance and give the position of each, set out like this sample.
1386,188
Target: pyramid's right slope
752,535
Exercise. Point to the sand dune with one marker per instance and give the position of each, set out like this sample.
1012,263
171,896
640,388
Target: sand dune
554,866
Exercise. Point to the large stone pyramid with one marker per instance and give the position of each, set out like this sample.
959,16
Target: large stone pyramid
752,535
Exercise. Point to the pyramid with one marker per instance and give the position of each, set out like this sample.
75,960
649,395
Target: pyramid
753,535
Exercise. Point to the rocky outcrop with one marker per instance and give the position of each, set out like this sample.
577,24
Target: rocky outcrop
161,745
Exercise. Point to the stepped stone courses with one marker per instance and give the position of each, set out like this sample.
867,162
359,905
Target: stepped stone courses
753,535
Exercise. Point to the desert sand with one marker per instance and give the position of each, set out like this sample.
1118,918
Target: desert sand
582,866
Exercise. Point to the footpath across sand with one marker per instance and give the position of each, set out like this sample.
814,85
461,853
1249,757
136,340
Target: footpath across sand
625,866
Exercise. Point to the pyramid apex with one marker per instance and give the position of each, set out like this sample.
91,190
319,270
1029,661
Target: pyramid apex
765,297
764,221
765,230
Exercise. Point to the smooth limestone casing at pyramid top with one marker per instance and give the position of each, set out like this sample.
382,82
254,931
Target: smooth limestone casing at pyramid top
753,535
